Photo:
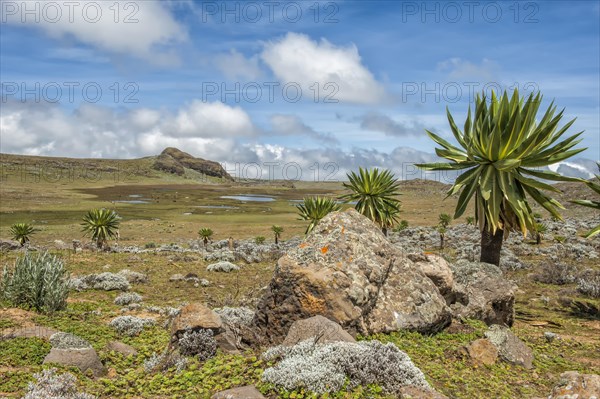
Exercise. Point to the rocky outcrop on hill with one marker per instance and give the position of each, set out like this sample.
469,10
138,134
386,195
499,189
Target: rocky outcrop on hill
175,161
347,271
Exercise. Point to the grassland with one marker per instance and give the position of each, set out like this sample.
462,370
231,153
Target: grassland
44,192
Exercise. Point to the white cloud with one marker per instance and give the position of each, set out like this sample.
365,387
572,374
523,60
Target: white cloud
298,59
92,130
144,29
211,120
457,68
235,65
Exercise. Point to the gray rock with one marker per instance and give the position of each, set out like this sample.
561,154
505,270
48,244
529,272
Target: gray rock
121,348
177,277
30,332
134,277
550,336
481,292
347,271
510,348
437,269
225,267
319,327
573,385
9,245
196,316
247,392
83,358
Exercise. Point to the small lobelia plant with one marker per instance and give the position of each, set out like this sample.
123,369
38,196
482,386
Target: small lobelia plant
22,232
102,224
205,233
38,282
443,222
259,240
314,209
277,230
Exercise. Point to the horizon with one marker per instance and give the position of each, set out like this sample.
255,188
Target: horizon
314,84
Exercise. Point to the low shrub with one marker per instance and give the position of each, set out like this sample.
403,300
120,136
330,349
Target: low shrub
50,385
323,368
165,361
128,298
199,343
589,283
556,273
39,281
130,325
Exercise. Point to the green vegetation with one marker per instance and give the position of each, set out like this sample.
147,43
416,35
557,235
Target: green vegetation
540,229
499,148
314,209
444,221
402,225
102,224
277,230
206,234
594,204
259,240
470,220
375,194
22,232
38,282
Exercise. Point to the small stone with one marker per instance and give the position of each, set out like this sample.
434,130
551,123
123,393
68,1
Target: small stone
246,392
550,336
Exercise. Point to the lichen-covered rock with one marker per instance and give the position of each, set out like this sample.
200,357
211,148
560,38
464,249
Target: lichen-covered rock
573,385
82,358
482,352
510,348
196,316
481,292
437,269
247,392
225,267
319,327
347,271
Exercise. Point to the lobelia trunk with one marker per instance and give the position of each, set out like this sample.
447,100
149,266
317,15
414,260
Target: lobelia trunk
491,245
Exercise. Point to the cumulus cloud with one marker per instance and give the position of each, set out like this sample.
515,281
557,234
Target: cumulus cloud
292,125
378,122
298,59
235,65
145,29
209,129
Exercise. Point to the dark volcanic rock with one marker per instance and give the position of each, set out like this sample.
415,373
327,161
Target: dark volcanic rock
175,161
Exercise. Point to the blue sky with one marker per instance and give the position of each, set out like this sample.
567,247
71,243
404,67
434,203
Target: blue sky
390,67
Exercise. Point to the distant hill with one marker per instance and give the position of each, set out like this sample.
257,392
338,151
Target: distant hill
170,164
173,160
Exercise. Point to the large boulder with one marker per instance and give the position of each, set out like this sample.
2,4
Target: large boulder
438,270
347,271
481,292
574,385
510,348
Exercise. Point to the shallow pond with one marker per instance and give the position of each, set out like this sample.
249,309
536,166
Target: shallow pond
249,198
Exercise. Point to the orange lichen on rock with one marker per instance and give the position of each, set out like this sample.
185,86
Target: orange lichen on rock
312,304
325,249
